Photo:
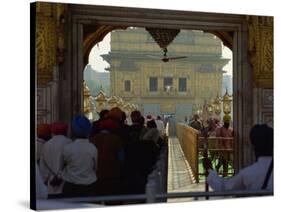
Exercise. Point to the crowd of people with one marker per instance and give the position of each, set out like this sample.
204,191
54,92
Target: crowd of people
105,157
111,157
214,129
257,176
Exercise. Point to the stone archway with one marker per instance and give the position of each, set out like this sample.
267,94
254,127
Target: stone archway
226,26
92,34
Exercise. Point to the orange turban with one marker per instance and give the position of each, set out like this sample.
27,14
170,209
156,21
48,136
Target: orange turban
59,128
43,130
115,113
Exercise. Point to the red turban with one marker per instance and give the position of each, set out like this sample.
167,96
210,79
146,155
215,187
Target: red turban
108,123
43,130
59,128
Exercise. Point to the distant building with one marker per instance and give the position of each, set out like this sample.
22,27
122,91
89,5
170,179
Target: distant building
95,80
138,75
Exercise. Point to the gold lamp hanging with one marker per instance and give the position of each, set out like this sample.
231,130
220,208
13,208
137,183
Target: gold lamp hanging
163,37
226,103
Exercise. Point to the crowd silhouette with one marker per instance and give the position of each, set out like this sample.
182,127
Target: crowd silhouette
106,157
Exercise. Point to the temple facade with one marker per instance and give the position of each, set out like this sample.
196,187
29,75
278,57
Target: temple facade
178,87
66,33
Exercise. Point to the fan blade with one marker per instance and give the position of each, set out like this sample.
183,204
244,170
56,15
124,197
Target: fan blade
175,58
154,56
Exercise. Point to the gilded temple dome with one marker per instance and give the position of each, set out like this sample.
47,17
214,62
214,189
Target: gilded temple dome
100,97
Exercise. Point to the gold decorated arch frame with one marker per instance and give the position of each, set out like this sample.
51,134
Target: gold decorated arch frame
234,25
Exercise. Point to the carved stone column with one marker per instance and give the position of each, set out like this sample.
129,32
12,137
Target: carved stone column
45,42
260,48
49,39
261,56
49,54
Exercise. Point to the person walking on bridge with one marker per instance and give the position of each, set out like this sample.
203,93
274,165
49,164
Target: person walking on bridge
224,144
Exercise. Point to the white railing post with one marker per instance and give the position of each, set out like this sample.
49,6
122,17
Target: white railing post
150,191
156,180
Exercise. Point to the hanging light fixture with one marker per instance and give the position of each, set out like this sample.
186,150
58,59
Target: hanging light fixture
226,103
163,37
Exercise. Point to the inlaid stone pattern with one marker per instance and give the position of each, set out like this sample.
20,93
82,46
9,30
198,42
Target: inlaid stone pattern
46,103
42,101
264,106
267,113
261,49
267,98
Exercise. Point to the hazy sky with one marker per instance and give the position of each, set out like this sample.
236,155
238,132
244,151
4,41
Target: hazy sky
95,59
103,47
227,53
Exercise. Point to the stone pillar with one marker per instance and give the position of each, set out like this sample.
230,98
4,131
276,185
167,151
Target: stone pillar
47,100
49,55
260,52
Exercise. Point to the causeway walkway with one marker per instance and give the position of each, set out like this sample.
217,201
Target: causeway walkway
179,172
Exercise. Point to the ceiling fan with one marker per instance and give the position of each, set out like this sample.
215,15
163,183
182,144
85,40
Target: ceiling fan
165,58
163,38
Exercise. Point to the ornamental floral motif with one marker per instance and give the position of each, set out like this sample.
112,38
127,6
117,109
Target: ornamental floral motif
49,39
261,49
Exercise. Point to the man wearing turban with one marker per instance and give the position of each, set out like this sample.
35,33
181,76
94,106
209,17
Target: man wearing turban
224,144
43,135
257,176
80,161
51,161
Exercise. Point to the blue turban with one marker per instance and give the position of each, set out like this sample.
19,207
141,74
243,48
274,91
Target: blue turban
81,126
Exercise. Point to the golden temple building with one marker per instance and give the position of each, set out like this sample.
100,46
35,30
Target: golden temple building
176,87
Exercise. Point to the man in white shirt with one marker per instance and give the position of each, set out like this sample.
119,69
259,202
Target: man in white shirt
253,177
160,126
41,188
51,157
80,161
43,135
